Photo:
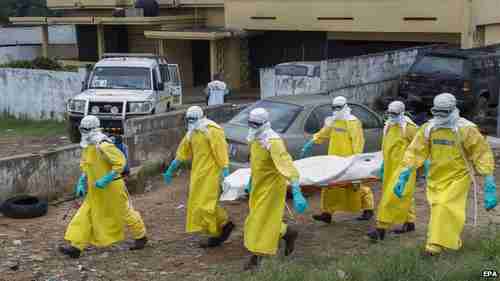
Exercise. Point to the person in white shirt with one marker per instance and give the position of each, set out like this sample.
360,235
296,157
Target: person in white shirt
216,90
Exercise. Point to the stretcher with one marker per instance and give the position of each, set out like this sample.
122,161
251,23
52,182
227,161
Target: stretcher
317,173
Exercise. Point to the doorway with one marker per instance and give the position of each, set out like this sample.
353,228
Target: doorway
201,62
87,42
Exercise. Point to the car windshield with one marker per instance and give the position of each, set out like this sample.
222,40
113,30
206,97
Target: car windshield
445,65
135,78
281,114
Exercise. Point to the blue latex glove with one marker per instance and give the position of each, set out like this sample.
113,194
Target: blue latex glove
404,176
105,180
248,187
81,186
427,168
307,149
490,193
225,172
299,202
381,172
167,176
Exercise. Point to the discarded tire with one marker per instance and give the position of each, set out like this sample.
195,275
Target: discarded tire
24,207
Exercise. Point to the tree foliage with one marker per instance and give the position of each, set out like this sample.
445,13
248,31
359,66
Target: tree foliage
23,8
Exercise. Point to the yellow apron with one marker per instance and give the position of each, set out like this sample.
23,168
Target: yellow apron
101,219
391,209
208,152
345,139
270,172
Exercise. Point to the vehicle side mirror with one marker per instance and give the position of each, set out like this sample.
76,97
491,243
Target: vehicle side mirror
84,87
160,87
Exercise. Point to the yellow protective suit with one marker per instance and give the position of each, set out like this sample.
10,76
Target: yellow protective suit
102,218
391,209
346,138
208,155
271,169
449,180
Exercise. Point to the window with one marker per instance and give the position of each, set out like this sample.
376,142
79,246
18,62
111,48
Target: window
317,72
173,70
281,114
435,65
165,77
155,80
317,119
313,125
367,118
135,78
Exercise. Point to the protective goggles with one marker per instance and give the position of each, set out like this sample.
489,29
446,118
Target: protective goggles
254,124
390,114
337,107
441,112
191,120
84,130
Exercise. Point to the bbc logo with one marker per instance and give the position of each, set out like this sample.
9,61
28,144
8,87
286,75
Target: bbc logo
493,274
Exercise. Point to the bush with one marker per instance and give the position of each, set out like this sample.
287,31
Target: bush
39,63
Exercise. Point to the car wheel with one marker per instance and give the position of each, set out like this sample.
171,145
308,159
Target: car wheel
74,133
481,112
24,207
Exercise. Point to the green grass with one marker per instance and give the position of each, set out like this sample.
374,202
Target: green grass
386,263
16,127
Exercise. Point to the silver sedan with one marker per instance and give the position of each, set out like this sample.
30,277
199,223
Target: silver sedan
296,119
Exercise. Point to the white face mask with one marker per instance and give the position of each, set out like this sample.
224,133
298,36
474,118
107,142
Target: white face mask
342,114
93,137
447,122
253,133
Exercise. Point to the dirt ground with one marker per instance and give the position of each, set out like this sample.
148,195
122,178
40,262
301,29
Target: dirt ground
28,247
15,145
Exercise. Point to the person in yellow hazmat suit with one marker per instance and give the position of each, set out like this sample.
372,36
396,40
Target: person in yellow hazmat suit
399,132
205,146
271,168
105,212
345,133
454,146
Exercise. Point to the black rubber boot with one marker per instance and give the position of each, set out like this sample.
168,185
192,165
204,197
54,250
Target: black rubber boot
217,241
70,251
407,227
227,229
324,217
211,242
253,263
290,237
139,244
366,215
377,235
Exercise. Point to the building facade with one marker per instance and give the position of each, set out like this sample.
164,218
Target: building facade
237,37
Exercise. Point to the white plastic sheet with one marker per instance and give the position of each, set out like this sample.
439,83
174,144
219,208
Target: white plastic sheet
314,171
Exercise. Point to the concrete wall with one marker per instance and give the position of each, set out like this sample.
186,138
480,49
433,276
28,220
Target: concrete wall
363,79
37,94
492,34
157,137
12,53
49,173
348,15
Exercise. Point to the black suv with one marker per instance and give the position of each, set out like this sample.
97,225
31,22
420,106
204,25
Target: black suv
473,76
